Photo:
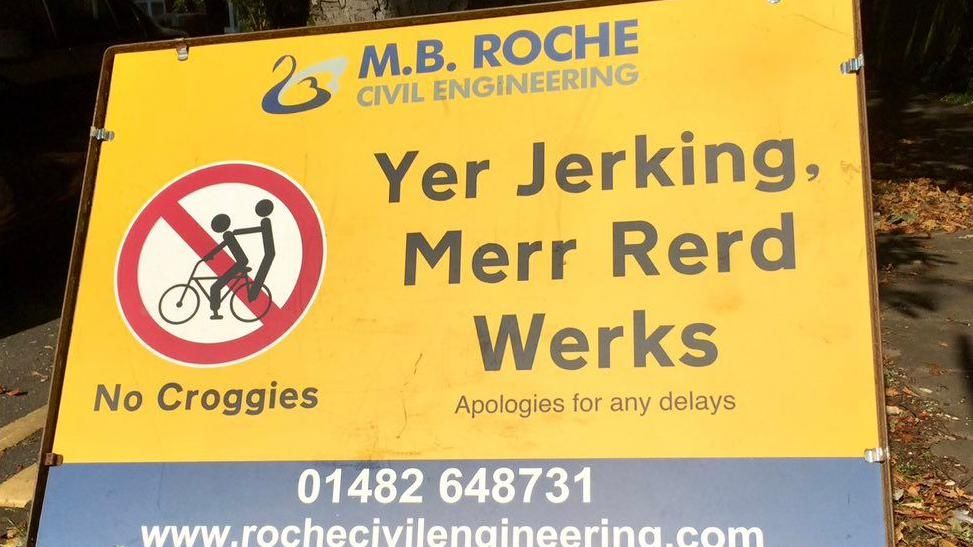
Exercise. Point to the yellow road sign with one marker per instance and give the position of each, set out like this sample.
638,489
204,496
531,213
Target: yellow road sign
632,231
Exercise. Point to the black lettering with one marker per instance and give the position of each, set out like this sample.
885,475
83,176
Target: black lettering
646,167
537,182
171,386
573,165
524,251
255,401
416,243
439,174
559,249
687,246
395,174
569,340
725,240
288,398
133,401
608,162
482,260
110,399
190,395
210,399
509,331
638,251
473,170
688,160
784,171
785,235
713,152
694,343
606,336
232,402
310,397
645,345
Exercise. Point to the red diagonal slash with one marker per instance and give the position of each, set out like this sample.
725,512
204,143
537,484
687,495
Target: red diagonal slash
202,243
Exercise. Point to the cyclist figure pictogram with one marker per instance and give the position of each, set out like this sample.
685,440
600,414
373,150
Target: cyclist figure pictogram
180,302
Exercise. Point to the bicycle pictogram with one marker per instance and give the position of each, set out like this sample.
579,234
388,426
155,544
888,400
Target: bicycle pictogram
180,302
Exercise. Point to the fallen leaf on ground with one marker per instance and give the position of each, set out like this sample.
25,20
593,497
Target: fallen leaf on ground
921,205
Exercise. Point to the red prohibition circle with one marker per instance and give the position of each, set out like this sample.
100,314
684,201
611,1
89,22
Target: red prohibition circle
165,207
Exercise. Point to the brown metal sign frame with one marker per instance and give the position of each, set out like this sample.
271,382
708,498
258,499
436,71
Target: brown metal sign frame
48,458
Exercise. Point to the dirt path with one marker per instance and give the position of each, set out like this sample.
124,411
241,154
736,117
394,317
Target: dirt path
915,136
926,281
927,326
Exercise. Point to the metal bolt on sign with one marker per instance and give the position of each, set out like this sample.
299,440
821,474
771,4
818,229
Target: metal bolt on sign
854,65
876,455
182,52
101,134
774,2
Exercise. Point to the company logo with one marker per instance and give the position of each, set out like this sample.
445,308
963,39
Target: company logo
273,103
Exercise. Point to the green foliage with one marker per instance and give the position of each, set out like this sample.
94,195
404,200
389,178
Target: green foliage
960,99
252,15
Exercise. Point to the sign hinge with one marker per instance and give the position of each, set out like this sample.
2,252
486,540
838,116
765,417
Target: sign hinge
101,134
877,455
853,65
52,460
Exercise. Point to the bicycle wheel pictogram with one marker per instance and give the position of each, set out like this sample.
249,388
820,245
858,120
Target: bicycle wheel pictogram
179,304
243,312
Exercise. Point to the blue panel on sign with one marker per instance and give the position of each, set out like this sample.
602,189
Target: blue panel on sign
647,503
